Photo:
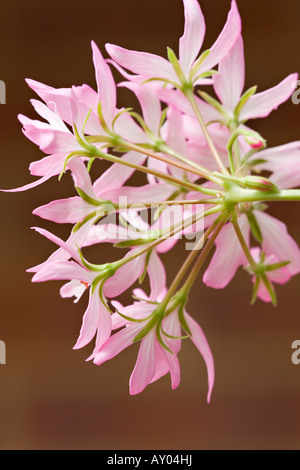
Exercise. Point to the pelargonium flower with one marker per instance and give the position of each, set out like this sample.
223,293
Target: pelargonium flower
204,176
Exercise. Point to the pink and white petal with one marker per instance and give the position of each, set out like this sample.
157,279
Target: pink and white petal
106,86
70,250
157,275
117,174
74,288
61,271
124,277
143,194
81,176
228,257
277,241
194,32
230,81
176,99
200,341
225,41
127,128
262,104
142,63
145,366
90,321
149,102
65,211
116,344
138,311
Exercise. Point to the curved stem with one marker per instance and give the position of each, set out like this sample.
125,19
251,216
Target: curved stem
177,228
190,96
157,174
186,265
206,250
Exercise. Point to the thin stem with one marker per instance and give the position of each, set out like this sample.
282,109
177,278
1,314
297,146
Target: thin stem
243,244
190,96
188,165
157,174
169,203
177,228
186,265
203,255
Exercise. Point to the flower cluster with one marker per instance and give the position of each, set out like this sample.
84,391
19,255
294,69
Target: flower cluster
207,175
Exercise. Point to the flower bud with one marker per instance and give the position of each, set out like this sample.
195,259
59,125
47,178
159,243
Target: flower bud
260,183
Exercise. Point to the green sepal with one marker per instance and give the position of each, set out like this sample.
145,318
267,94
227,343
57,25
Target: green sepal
213,102
275,266
86,120
136,242
101,119
134,320
87,198
255,290
245,97
159,338
199,62
147,329
90,148
90,162
183,320
126,110
173,337
85,220
142,277
255,229
270,289
176,66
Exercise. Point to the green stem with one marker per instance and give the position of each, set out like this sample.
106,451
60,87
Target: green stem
177,228
169,203
236,195
243,244
190,96
184,268
157,174
206,250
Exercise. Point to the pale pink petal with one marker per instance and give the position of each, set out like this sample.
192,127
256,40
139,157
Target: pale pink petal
116,344
67,247
138,311
74,288
65,211
142,63
194,32
229,82
200,341
142,194
64,270
145,366
176,99
117,174
262,104
127,128
228,257
157,275
96,317
225,41
81,176
124,277
277,241
106,86
149,102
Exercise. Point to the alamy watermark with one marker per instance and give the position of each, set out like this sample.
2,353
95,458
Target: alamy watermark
2,92
296,94
296,353
2,352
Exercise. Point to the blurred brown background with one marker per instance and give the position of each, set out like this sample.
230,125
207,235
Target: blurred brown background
50,398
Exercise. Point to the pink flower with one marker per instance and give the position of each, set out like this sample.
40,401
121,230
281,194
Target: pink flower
152,66
154,360
284,164
280,275
229,255
229,84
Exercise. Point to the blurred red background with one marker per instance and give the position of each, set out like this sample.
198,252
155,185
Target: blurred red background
50,398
